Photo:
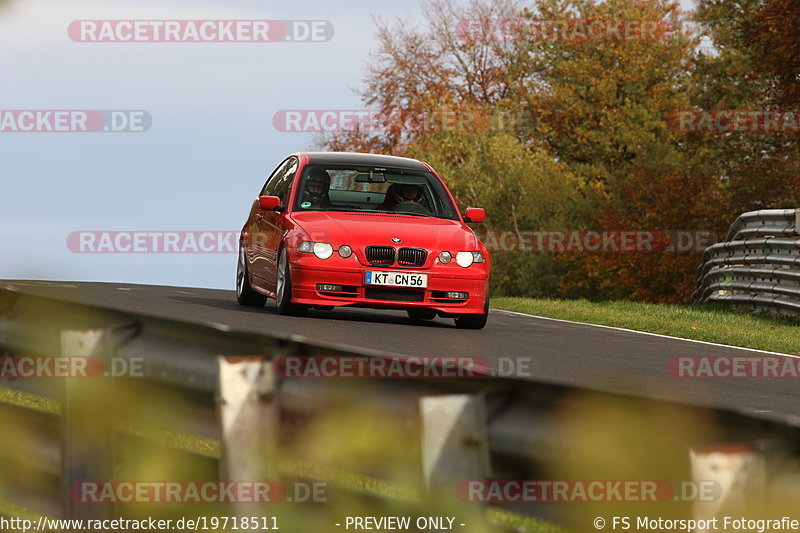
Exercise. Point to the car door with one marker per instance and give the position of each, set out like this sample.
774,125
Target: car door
272,225
255,239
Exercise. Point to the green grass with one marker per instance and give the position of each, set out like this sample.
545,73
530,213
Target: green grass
29,401
700,322
176,440
12,510
522,523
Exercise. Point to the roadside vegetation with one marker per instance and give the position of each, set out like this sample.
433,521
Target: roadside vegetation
708,323
587,135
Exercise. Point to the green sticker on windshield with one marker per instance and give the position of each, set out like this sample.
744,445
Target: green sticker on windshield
305,205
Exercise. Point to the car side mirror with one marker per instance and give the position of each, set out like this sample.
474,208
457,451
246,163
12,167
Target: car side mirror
269,203
475,214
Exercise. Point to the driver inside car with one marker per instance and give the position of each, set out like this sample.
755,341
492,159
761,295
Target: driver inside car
318,183
399,193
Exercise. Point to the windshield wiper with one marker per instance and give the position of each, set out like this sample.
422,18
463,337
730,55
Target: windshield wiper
414,214
381,211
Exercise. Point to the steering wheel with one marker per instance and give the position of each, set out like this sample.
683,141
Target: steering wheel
412,207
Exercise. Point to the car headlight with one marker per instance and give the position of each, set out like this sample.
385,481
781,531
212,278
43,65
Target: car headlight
445,257
323,250
345,251
465,259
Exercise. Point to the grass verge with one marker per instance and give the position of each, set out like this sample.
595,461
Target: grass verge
708,323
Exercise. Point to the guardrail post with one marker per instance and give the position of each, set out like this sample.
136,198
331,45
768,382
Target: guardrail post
249,420
738,471
86,435
797,221
455,439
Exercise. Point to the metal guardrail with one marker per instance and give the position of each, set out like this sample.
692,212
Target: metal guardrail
758,266
219,384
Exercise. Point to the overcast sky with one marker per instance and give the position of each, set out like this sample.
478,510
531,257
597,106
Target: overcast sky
211,144
207,153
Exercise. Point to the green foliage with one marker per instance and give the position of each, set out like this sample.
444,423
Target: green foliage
520,189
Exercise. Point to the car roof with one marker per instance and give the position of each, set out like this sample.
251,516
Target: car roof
356,158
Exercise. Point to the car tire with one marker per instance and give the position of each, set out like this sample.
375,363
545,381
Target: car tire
245,294
283,289
421,314
474,321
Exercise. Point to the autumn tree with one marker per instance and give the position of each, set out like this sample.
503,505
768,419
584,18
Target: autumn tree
603,108
755,52
417,72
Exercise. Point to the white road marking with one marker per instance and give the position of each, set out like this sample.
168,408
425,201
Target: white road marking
647,333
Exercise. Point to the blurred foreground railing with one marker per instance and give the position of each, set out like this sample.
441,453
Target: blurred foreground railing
208,403
758,266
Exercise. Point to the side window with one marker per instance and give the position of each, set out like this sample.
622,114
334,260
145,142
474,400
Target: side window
283,182
275,177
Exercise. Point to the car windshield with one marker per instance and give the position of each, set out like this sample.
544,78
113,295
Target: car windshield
373,190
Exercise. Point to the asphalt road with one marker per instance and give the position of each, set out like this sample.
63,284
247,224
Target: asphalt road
561,352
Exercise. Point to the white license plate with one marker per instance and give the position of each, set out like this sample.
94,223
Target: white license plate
396,279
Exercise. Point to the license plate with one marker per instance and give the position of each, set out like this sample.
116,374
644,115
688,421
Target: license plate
396,279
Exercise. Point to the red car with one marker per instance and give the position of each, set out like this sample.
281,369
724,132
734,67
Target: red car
332,229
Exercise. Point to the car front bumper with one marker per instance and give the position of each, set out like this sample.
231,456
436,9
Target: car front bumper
307,273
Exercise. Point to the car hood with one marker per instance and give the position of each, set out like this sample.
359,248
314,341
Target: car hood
359,230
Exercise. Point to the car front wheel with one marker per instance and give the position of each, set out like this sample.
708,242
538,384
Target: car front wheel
283,289
474,321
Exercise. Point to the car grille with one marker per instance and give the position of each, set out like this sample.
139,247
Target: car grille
413,257
394,295
380,255
385,256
